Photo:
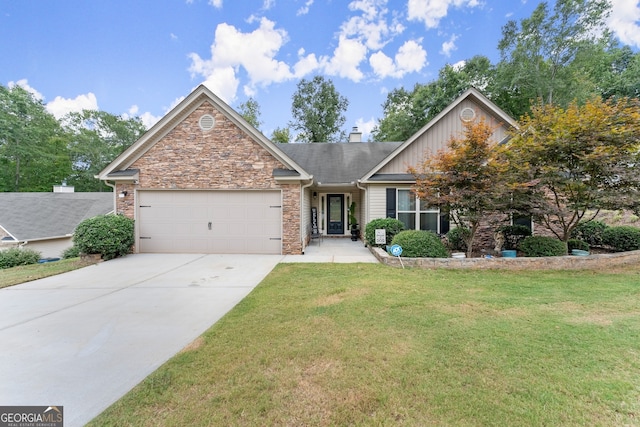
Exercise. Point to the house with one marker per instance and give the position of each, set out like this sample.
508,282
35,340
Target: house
203,180
45,222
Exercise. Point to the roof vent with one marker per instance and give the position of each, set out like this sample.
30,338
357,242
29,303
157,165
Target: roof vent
207,122
467,114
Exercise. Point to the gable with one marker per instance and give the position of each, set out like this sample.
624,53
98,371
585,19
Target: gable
435,135
179,137
223,157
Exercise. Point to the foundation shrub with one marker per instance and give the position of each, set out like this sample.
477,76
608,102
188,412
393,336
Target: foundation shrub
590,232
420,244
540,246
14,257
456,238
513,235
109,235
622,238
391,225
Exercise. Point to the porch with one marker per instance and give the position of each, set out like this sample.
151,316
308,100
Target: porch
333,249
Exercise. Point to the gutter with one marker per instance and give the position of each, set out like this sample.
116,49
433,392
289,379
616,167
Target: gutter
366,203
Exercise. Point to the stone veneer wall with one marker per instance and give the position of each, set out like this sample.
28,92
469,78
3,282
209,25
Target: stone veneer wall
224,158
592,262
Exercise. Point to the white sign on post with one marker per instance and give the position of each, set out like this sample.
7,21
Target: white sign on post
381,236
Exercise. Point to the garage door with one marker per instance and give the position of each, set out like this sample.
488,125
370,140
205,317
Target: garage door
227,222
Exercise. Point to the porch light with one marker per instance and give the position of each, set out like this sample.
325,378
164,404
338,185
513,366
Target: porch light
123,194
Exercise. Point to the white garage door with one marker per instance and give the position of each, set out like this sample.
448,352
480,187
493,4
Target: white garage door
225,222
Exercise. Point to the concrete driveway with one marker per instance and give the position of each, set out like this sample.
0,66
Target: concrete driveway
83,339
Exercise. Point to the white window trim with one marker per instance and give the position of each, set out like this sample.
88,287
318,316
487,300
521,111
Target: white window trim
416,211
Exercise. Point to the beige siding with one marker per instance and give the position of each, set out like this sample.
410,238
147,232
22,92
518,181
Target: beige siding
50,248
377,202
437,136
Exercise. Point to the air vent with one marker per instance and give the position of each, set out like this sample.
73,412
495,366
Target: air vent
207,122
467,114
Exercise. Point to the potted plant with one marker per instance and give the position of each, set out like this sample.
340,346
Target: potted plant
353,222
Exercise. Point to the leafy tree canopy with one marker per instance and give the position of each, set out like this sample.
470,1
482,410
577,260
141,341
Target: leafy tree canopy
250,111
318,111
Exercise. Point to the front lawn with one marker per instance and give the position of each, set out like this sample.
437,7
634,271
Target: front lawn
356,344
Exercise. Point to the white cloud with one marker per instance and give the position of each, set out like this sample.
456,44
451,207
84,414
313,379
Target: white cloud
60,106
346,59
432,11
216,3
411,57
255,52
24,84
624,21
148,119
305,65
305,9
366,127
449,46
371,27
268,4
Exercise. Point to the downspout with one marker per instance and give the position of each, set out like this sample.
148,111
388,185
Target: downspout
302,236
115,200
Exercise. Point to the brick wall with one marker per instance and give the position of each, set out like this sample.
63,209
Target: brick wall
222,158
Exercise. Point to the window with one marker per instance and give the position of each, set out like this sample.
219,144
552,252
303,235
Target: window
415,214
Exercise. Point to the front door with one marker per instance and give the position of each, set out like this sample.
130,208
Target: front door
336,213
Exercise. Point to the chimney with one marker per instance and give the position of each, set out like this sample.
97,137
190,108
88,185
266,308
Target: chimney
63,188
355,136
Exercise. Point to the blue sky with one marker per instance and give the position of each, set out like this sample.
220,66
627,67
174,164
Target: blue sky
141,57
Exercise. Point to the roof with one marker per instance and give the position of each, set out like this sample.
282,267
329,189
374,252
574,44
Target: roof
338,163
201,94
35,216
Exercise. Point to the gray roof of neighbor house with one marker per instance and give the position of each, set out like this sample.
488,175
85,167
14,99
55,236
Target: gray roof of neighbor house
35,216
338,163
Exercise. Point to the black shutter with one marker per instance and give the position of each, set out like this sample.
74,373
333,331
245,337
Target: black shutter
391,202
444,223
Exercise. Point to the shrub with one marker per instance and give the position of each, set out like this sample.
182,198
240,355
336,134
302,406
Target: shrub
590,232
109,235
577,244
419,244
72,252
513,235
456,237
391,225
534,246
622,238
14,257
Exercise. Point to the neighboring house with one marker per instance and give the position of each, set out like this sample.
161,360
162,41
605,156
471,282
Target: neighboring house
203,180
45,222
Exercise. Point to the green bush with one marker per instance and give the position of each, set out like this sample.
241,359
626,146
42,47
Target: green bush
622,238
109,235
72,252
513,235
537,246
14,257
391,225
590,232
577,244
420,244
456,237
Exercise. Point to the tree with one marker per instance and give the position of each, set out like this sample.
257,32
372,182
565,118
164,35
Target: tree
318,111
538,55
33,153
250,111
465,180
566,162
97,138
406,112
282,136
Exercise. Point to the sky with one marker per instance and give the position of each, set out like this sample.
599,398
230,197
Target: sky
142,57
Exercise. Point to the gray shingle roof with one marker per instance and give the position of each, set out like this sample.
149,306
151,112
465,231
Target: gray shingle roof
336,163
30,216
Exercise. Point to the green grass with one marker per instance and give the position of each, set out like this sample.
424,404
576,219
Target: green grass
339,344
27,273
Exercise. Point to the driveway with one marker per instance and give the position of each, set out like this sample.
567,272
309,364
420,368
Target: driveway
83,339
